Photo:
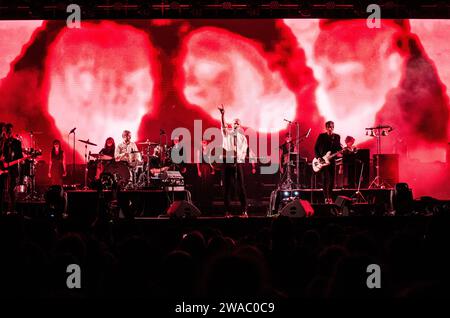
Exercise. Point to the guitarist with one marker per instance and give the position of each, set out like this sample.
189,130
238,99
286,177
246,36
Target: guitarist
12,150
328,141
2,171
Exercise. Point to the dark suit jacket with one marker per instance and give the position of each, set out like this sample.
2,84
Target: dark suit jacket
325,143
12,150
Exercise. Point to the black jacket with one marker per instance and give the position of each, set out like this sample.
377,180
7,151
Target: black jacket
12,150
325,143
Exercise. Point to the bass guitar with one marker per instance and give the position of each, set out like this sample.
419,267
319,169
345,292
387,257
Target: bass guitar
319,163
5,165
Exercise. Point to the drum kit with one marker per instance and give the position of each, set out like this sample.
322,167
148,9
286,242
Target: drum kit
129,173
26,187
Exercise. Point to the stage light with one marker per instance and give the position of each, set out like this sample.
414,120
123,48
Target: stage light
367,133
330,5
305,8
286,194
296,193
174,5
384,133
145,10
372,133
227,5
274,5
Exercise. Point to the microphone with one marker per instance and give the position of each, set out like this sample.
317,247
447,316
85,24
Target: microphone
72,131
307,134
290,122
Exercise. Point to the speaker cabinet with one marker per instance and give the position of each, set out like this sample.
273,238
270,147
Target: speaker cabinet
402,199
388,166
298,209
344,204
183,209
342,201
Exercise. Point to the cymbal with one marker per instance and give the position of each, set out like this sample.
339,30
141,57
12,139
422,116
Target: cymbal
87,142
100,156
150,143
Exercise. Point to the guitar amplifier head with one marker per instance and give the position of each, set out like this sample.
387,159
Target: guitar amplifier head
171,175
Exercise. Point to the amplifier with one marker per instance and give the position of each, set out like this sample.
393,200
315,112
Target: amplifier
172,178
173,188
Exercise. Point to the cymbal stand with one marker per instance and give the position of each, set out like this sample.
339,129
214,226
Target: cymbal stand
147,170
86,166
287,183
297,157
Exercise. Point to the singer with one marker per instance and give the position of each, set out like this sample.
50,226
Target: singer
328,141
57,164
236,147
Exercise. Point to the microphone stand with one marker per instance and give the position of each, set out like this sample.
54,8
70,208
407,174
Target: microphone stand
287,183
358,196
297,158
73,158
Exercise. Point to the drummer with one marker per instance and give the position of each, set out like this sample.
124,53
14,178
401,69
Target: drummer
127,150
109,149
106,156
286,148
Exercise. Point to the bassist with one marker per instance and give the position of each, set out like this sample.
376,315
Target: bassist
327,141
11,151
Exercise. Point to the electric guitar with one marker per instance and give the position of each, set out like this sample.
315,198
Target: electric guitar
5,165
319,163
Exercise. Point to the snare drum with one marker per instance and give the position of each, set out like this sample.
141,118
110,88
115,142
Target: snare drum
21,191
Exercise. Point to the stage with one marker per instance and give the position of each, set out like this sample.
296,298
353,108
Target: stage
153,204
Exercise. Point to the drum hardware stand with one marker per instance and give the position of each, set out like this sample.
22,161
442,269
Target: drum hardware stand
86,170
287,183
378,132
147,170
86,143
73,153
358,196
33,195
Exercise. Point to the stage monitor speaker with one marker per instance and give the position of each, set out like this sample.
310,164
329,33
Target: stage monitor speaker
344,204
388,165
342,201
298,209
402,199
183,209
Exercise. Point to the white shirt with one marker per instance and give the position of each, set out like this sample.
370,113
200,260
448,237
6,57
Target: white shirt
123,148
230,136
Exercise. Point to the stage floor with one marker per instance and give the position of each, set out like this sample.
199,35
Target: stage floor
153,204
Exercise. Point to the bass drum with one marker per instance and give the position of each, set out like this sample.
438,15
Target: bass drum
115,171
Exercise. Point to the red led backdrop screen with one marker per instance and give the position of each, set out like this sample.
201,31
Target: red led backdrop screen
148,75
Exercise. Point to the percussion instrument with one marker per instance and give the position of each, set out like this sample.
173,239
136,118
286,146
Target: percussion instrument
118,170
148,143
100,156
87,142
